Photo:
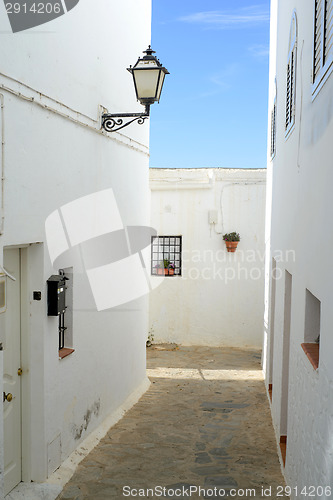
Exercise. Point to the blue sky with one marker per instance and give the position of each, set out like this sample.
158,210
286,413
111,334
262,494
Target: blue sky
213,109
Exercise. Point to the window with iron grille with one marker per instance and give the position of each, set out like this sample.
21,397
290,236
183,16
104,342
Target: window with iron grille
166,255
291,76
66,318
322,41
273,130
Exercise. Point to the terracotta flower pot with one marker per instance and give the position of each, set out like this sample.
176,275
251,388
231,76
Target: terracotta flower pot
166,271
231,245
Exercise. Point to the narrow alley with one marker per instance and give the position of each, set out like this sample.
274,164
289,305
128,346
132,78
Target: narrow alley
204,423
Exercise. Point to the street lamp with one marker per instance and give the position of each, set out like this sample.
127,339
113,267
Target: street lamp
148,76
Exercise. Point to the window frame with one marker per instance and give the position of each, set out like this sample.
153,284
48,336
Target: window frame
165,253
3,286
326,66
65,319
290,106
273,126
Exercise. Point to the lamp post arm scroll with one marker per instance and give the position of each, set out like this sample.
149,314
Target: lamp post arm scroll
117,121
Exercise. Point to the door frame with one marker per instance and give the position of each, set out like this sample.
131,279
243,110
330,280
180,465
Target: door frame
32,361
24,361
25,364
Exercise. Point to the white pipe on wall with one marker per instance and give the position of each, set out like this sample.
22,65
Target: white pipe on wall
238,183
2,222
54,106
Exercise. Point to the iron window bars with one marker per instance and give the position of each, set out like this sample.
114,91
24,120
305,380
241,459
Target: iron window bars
166,249
62,328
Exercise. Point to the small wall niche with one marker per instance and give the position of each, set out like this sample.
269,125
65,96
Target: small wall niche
312,318
312,328
66,319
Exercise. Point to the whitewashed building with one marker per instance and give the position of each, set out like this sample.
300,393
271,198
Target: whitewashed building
298,317
64,183
214,297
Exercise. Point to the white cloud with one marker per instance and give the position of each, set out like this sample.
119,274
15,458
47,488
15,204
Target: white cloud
224,78
219,82
252,15
259,50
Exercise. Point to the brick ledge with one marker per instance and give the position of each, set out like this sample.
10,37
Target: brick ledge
312,352
65,351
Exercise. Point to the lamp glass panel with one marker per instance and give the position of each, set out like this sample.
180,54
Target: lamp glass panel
160,85
146,81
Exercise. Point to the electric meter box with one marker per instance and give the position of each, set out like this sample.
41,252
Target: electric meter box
213,216
56,295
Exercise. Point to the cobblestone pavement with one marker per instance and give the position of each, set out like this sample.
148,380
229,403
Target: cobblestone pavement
205,422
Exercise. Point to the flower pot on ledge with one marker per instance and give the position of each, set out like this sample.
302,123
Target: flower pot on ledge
165,271
231,241
231,246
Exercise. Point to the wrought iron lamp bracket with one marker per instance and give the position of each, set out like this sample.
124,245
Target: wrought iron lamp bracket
116,121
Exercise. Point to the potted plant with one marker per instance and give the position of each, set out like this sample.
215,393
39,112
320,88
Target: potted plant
159,268
231,241
165,267
169,267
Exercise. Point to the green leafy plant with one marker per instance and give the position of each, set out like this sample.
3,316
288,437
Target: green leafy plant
231,236
168,264
150,338
165,264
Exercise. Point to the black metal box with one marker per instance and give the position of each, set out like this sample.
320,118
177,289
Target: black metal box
56,295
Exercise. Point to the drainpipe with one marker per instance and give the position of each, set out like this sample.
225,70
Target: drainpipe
2,209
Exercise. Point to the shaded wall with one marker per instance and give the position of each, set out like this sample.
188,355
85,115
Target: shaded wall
219,298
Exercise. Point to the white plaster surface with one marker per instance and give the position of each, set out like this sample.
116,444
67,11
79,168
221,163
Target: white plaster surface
299,208
55,154
1,420
55,483
219,299
33,491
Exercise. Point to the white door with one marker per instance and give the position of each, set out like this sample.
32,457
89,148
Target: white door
12,381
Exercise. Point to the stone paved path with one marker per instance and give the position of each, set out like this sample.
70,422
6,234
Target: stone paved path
205,422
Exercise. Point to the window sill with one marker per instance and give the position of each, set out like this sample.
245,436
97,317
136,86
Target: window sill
283,448
64,352
312,352
166,275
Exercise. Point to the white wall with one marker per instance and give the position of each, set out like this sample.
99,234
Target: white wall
54,153
301,214
219,299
